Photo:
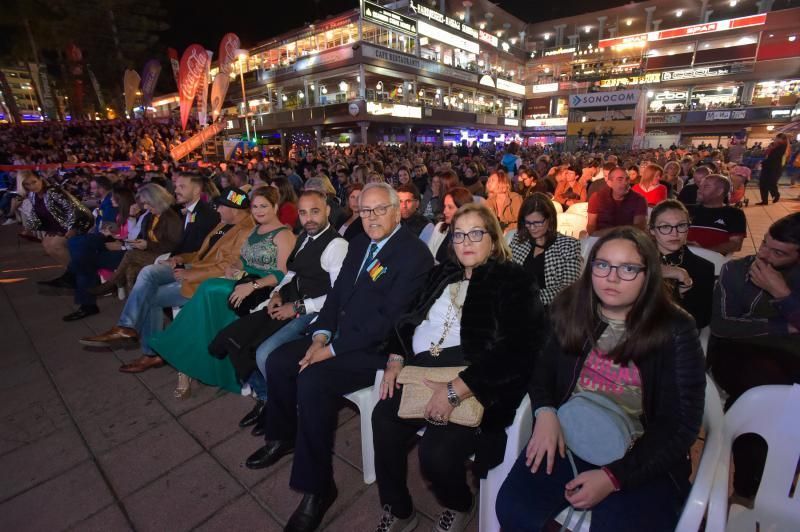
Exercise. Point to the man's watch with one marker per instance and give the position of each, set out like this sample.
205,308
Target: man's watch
299,307
452,396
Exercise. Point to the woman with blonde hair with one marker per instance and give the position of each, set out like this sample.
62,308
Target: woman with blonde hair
504,202
476,313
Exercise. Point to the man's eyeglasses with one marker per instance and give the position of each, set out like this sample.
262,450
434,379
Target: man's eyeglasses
666,229
626,272
474,236
536,224
380,210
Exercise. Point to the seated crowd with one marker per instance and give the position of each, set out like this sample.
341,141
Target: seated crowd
295,280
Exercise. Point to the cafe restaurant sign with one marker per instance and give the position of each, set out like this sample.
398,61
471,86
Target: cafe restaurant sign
441,18
687,31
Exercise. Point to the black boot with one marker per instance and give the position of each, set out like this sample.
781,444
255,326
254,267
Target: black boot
309,513
252,417
66,280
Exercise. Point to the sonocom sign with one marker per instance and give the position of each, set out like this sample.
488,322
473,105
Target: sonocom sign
604,99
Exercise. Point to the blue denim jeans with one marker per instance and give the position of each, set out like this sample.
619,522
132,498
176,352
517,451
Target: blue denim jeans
294,330
527,501
155,289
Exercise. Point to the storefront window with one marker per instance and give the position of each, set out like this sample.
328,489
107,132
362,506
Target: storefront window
784,92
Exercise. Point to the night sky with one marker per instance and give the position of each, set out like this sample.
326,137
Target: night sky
254,22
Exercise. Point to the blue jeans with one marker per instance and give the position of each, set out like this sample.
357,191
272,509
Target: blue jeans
155,289
527,501
294,330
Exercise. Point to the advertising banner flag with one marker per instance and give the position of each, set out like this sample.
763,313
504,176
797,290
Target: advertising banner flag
173,60
150,74
202,94
227,52
75,60
218,91
191,74
8,96
195,141
131,86
96,87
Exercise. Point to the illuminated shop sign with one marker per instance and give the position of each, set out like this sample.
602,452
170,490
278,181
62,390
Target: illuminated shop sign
603,99
514,122
560,51
446,37
396,110
411,61
386,17
687,31
547,123
651,77
671,96
700,72
441,18
544,87
510,86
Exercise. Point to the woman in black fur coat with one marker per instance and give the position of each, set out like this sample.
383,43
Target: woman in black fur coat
481,311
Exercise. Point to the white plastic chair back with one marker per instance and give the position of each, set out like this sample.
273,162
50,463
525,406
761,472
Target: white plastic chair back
581,208
717,259
705,334
713,423
558,207
510,236
571,224
586,247
771,412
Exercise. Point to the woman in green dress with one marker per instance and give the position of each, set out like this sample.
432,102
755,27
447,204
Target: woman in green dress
262,265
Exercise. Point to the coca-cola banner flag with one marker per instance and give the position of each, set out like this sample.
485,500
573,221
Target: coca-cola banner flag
218,91
131,85
173,60
150,74
227,52
191,74
202,94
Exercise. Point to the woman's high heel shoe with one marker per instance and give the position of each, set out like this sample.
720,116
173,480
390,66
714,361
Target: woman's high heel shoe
184,388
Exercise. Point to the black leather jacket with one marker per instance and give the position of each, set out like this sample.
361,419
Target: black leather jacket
673,399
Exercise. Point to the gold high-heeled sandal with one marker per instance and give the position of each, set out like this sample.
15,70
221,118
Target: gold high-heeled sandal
184,388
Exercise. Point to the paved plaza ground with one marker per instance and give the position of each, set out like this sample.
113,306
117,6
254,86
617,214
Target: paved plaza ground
84,447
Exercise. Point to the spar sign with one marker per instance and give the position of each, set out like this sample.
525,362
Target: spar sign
604,99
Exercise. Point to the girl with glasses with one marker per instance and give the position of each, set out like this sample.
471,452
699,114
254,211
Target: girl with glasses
618,337
689,278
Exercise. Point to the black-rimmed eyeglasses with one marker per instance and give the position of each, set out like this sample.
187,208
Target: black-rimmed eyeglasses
474,236
380,210
626,272
535,224
666,229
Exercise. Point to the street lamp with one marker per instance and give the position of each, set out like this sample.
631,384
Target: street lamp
242,55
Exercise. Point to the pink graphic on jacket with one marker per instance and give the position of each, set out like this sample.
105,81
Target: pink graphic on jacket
601,374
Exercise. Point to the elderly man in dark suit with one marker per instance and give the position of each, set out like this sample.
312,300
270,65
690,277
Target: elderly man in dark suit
381,274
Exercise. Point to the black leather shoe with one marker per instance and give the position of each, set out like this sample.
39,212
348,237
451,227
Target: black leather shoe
252,417
82,312
269,454
309,513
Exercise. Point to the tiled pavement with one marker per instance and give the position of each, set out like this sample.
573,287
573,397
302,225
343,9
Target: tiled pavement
84,447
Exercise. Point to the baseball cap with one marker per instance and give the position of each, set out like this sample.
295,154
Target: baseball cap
233,197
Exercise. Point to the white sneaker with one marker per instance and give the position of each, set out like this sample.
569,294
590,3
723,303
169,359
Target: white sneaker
452,521
391,523
10,221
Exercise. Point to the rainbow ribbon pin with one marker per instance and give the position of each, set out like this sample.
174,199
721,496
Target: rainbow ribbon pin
376,269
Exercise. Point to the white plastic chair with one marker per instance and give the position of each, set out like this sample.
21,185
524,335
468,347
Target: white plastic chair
571,224
771,412
365,400
558,207
705,334
586,247
581,208
696,503
517,434
717,259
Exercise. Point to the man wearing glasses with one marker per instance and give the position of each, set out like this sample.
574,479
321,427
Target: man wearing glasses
715,225
380,277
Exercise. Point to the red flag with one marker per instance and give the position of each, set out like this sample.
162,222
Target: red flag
192,73
227,52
